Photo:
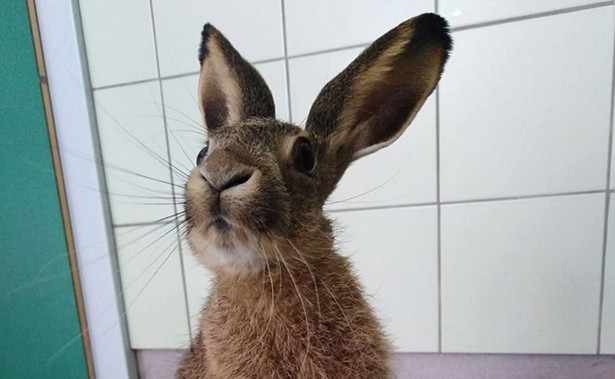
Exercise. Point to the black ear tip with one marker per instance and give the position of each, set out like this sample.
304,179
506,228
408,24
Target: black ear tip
208,29
433,26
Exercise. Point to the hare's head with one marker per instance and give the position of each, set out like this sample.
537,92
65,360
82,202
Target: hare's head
260,183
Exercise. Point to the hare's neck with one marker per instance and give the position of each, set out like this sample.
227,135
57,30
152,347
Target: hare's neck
293,281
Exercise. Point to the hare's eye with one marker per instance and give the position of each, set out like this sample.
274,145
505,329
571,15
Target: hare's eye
303,155
202,154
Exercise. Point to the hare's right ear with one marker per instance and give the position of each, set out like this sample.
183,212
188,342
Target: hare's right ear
369,104
230,88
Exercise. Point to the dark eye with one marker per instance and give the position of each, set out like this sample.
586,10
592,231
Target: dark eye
202,154
303,155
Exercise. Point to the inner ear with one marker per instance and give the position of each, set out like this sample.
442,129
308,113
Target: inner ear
371,103
230,88
385,103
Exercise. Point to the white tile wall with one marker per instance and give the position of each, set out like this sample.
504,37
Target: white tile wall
522,276
468,12
132,135
255,28
321,25
119,41
523,110
607,340
524,107
153,290
397,260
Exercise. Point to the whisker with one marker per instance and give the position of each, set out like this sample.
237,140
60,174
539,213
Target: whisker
366,192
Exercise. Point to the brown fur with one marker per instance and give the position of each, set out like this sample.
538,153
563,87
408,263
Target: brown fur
284,303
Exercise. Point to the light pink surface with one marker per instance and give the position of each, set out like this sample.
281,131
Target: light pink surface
161,364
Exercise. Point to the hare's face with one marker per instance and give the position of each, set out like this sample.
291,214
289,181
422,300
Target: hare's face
255,183
260,186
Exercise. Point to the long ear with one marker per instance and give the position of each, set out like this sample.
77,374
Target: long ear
230,88
370,104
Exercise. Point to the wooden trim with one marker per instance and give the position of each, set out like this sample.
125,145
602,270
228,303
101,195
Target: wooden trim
57,165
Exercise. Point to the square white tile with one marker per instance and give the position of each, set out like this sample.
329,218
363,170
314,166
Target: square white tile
607,335
119,41
320,25
152,286
394,252
254,28
133,144
403,173
522,276
524,107
468,12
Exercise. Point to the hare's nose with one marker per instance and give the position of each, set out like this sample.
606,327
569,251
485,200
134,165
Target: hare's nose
234,181
222,175
227,180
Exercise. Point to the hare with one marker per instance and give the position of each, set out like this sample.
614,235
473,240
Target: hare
284,303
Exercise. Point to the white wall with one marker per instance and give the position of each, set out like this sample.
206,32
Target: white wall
482,230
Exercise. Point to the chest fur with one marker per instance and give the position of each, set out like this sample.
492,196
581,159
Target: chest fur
293,323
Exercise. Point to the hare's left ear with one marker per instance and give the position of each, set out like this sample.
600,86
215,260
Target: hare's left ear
230,88
370,104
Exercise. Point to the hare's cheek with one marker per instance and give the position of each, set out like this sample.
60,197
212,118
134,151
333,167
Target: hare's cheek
269,211
198,198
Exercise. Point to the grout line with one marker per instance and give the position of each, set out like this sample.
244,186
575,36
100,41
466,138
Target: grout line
607,203
439,202
174,76
287,72
439,219
413,205
166,135
532,16
326,51
524,197
141,223
151,80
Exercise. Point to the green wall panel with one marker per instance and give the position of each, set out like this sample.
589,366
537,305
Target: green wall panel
39,326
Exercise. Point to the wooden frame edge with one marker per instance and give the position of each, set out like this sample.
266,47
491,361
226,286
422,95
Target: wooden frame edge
57,166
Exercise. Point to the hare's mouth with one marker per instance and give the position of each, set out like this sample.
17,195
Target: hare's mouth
220,223
224,246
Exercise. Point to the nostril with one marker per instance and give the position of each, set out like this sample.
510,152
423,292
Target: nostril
236,181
